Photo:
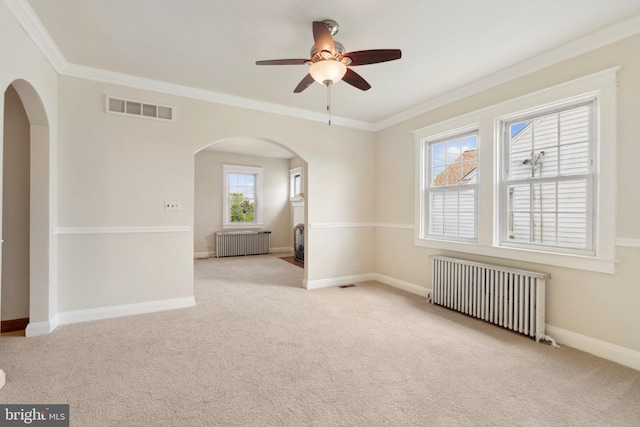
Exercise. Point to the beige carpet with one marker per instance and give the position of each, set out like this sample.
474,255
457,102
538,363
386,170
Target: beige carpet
258,350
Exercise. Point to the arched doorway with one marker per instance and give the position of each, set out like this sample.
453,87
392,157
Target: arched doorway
26,284
278,160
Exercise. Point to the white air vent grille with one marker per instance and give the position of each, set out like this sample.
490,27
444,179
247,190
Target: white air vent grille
141,109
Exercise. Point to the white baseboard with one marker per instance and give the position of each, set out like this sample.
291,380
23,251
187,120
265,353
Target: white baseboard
101,313
41,328
615,353
337,281
401,284
612,352
201,255
281,250
212,254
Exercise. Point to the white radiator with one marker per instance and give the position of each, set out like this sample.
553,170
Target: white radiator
511,298
236,243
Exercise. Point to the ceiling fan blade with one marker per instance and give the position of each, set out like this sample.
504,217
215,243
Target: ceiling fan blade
305,83
355,80
374,56
283,62
322,37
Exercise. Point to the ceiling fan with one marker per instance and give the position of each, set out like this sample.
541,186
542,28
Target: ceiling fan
329,62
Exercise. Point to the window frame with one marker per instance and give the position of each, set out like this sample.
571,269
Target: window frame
503,124
227,170
602,86
426,147
293,173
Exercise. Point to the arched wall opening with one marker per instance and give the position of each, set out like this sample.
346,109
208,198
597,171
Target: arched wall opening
37,196
278,159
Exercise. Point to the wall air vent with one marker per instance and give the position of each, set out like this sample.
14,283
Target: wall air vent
141,109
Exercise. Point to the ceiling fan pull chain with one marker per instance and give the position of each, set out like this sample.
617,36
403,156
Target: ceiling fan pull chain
329,100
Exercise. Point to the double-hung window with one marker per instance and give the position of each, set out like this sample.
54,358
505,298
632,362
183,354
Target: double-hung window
242,196
450,187
547,183
295,184
545,190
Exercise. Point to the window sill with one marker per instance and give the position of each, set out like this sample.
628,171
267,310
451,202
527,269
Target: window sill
578,262
241,226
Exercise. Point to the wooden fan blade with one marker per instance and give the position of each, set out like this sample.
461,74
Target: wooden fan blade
374,56
305,83
322,37
283,62
355,80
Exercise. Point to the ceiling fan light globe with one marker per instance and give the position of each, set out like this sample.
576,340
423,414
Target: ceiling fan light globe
329,70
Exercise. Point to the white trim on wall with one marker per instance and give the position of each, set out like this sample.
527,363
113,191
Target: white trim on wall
628,242
546,59
212,254
35,329
412,288
615,353
77,316
101,313
342,224
620,241
337,281
123,230
29,21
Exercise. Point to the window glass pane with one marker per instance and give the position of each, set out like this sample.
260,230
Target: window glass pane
515,128
438,154
545,133
439,176
436,213
544,197
519,198
521,227
550,208
241,197
452,207
572,196
546,165
296,185
453,151
572,229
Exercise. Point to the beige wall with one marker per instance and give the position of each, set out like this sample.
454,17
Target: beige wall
15,209
25,67
115,172
596,305
208,197
108,242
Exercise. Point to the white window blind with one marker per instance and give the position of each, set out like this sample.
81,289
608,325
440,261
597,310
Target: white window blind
547,182
451,188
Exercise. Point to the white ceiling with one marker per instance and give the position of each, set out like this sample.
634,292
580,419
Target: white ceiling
213,44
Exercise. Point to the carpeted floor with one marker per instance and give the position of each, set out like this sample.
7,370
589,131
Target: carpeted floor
258,350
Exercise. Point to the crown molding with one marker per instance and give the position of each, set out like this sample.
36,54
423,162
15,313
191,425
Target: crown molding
593,41
111,77
34,28
30,23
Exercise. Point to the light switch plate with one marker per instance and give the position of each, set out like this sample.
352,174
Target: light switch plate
172,206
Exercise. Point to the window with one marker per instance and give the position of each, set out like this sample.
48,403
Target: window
295,184
451,187
543,189
547,180
242,196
